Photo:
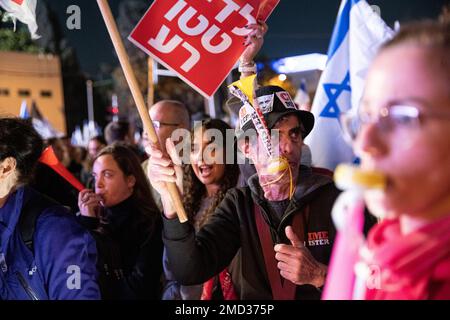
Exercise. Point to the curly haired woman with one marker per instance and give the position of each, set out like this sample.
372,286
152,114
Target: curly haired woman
206,181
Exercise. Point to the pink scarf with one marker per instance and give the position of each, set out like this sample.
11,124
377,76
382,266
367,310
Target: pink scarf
414,266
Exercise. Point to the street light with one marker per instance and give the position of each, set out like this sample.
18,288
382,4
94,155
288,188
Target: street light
90,103
90,98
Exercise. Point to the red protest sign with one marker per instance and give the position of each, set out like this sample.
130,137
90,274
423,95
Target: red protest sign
199,40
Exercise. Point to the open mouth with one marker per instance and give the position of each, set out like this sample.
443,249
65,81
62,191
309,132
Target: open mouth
205,170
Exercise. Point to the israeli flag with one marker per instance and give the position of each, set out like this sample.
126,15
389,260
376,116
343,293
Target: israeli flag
24,110
302,97
357,36
24,11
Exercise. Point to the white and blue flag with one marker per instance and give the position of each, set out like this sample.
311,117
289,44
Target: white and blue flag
357,35
302,98
24,110
81,136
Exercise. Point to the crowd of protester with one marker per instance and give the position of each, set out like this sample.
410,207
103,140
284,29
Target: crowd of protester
248,229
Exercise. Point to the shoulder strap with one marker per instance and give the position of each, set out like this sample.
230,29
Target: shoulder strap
29,215
282,289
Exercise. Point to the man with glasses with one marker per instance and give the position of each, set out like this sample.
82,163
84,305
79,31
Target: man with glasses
402,130
167,116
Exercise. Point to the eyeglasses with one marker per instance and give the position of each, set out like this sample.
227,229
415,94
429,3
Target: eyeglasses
398,115
157,124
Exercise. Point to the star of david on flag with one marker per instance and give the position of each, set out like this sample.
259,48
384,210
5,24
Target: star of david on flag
333,92
357,35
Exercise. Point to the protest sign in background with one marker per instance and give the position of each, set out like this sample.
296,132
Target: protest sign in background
199,40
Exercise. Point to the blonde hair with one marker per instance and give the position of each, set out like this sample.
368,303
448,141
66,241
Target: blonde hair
432,36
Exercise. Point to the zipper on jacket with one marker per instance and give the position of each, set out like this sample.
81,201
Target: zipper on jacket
278,231
266,218
26,286
286,216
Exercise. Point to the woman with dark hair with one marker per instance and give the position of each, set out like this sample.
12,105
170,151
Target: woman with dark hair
126,223
206,181
44,252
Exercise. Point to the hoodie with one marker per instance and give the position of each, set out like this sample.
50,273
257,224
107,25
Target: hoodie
195,258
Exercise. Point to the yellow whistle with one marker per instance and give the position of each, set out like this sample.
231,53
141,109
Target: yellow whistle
348,176
277,165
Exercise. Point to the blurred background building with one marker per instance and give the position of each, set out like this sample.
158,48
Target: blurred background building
33,78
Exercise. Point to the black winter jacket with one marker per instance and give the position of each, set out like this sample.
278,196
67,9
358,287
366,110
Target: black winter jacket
197,257
130,252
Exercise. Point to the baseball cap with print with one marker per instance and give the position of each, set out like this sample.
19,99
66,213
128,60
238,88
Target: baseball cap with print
275,103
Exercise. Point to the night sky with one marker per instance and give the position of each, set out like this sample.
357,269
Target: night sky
296,26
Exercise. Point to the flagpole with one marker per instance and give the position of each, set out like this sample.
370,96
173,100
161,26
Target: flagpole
90,102
137,96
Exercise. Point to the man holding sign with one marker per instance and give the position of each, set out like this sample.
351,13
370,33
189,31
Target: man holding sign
285,234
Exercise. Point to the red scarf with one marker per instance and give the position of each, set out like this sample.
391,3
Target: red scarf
226,285
413,266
